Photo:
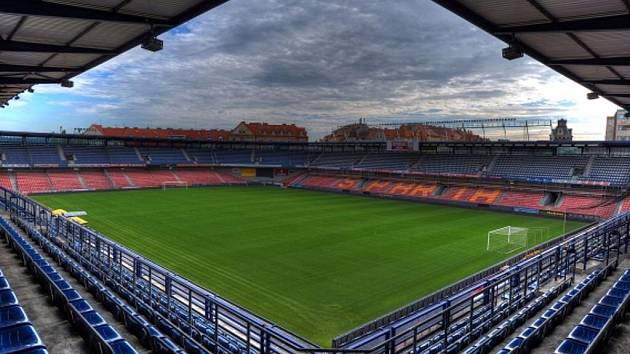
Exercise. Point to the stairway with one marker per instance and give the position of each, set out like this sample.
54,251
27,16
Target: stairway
59,343
50,323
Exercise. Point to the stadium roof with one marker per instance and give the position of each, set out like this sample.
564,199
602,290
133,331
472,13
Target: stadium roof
51,41
586,41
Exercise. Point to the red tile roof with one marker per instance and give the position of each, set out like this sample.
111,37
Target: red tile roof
135,132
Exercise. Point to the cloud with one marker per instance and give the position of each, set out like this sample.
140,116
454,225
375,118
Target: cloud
320,64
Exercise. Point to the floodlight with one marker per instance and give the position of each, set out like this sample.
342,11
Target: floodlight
512,52
592,95
67,84
30,90
152,44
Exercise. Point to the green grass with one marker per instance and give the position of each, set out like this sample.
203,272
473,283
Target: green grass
316,263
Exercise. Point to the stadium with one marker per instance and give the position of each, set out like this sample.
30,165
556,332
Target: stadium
188,241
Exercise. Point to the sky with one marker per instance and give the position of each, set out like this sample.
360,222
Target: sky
316,63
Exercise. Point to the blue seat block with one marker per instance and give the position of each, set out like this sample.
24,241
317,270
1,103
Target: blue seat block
93,319
569,346
617,293
611,301
122,347
515,344
603,310
594,321
71,295
80,306
583,334
18,339
108,333
8,298
12,316
4,284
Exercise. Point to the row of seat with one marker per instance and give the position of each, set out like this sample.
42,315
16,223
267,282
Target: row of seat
169,315
469,327
97,332
150,336
594,328
507,326
598,206
17,334
47,181
612,170
533,334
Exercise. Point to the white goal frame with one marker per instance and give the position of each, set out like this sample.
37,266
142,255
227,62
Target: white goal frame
508,238
176,184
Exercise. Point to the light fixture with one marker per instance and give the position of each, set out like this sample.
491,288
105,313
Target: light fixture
512,52
152,43
30,90
67,84
592,95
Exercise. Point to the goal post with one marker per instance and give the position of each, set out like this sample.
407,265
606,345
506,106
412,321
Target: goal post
507,239
174,184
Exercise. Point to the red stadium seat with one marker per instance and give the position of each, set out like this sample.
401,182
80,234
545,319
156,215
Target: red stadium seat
119,178
63,181
96,180
33,182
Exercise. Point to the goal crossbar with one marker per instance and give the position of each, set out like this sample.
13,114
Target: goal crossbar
508,239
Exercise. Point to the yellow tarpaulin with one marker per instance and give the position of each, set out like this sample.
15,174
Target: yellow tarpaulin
78,220
58,212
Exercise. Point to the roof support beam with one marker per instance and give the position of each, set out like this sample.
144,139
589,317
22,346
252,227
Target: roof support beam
7,68
41,8
13,46
609,23
618,61
605,82
11,81
618,95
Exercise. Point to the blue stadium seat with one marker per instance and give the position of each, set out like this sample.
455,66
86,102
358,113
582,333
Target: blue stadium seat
603,310
80,306
4,284
611,301
12,316
108,333
569,346
594,321
8,298
583,334
18,339
122,347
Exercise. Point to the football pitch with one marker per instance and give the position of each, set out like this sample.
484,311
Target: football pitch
318,264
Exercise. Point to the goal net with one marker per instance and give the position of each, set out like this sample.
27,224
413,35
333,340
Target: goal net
507,239
174,184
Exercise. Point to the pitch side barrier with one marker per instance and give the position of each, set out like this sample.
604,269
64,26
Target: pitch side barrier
235,330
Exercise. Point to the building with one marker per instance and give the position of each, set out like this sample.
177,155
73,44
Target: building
618,126
361,132
135,132
255,132
264,132
561,133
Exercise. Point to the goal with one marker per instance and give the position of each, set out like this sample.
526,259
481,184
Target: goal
174,184
507,239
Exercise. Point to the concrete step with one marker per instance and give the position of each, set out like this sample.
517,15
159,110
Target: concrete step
49,321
